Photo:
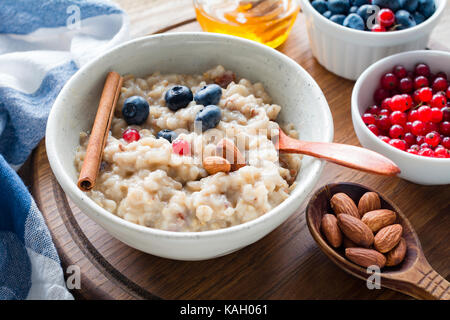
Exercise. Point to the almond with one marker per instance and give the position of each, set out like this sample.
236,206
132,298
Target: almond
355,230
331,230
347,243
342,203
369,201
215,164
365,257
396,255
388,237
226,149
378,219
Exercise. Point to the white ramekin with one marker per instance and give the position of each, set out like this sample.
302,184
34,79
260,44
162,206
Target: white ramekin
418,169
288,84
348,52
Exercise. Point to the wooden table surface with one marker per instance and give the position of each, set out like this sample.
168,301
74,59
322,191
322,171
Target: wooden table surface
286,264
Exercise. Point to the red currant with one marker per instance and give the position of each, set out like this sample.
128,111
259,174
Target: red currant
439,84
426,152
400,71
374,129
380,94
433,139
431,126
446,142
415,147
417,128
368,118
181,147
436,115
446,113
442,74
424,145
422,70
413,115
408,126
425,94
384,139
420,82
409,138
398,117
406,85
373,110
420,140
398,143
378,28
131,135
447,93
444,128
386,104
386,17
398,103
441,152
384,112
424,113
396,131
438,101
412,151
383,122
389,81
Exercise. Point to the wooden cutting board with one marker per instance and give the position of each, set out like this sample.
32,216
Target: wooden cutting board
286,264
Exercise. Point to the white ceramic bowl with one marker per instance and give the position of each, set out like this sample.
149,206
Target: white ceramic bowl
289,85
348,52
418,169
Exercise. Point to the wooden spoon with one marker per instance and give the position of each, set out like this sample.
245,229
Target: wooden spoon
342,154
414,276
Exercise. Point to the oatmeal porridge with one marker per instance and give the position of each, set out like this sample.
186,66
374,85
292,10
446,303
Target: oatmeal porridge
153,171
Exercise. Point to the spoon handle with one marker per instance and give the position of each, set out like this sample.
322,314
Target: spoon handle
424,282
342,154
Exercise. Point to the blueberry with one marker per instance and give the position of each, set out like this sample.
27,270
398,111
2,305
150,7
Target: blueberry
338,18
354,21
339,6
178,97
367,10
394,5
359,3
320,5
404,20
409,5
209,94
353,9
135,110
427,7
327,14
167,134
419,17
209,117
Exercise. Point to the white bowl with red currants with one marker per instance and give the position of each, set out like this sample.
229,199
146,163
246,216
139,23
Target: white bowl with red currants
401,109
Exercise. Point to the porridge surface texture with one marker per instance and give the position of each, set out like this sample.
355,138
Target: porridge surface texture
145,182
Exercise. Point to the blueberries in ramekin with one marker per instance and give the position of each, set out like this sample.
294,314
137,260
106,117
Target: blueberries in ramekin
135,110
376,15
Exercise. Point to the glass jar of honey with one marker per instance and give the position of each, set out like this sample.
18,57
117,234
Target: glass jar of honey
265,21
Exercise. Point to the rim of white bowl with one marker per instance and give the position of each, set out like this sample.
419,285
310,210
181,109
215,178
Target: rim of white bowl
67,181
357,114
377,35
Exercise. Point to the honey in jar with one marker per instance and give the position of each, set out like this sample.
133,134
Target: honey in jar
265,21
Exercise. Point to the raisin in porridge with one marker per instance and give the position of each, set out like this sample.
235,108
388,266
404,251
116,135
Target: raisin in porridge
153,173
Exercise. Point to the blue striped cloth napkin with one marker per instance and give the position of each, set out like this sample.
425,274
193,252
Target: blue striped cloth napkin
42,44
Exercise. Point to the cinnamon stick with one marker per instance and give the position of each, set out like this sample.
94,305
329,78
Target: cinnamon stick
100,130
